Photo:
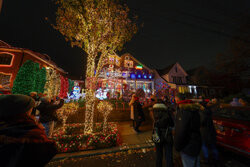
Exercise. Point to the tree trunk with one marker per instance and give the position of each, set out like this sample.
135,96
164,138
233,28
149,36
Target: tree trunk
89,111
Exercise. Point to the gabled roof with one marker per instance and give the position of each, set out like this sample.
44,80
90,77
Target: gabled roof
133,58
165,70
168,68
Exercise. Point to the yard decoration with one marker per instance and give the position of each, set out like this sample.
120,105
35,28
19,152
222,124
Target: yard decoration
105,108
98,27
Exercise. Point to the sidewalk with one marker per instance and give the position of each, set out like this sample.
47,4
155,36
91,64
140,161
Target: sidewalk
130,141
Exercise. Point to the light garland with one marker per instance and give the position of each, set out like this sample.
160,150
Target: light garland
104,27
53,83
64,112
105,108
70,138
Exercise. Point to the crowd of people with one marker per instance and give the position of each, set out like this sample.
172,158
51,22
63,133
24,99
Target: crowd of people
26,125
185,125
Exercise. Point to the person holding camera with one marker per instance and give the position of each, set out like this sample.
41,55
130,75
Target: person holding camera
48,110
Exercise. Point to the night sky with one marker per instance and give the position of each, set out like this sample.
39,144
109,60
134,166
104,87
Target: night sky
191,32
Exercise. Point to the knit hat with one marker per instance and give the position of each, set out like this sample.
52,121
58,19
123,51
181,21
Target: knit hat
11,105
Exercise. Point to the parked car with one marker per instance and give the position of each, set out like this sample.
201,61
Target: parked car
232,125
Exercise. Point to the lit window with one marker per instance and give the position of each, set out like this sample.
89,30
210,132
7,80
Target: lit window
131,64
5,59
5,79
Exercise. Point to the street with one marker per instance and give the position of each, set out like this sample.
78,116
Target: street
140,158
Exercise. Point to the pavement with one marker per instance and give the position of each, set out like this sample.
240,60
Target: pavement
136,150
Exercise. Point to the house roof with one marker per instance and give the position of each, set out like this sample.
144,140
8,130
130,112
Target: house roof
144,66
165,70
43,57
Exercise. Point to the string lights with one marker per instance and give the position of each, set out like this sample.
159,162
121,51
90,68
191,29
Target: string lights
105,108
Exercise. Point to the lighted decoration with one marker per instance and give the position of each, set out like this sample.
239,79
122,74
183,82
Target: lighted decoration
105,27
105,108
76,93
64,87
71,86
53,83
66,110
71,138
161,88
27,79
138,67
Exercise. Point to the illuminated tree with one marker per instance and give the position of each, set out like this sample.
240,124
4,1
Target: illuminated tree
53,83
105,108
99,27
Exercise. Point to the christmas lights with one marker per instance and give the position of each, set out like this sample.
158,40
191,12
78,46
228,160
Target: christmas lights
99,28
105,108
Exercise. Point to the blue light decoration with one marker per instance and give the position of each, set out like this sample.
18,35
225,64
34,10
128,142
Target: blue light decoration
145,76
139,76
132,76
124,74
107,74
150,76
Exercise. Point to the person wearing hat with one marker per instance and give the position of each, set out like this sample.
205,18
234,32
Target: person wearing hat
23,141
48,115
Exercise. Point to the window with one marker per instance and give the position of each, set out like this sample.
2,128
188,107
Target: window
179,80
176,69
131,64
5,79
127,58
174,79
128,64
5,59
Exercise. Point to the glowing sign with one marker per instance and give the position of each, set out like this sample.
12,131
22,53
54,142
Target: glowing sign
139,67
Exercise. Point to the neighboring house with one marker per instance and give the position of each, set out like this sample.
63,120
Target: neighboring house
12,58
205,85
175,74
123,75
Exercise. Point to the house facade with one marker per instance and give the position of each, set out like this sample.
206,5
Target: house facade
12,58
122,75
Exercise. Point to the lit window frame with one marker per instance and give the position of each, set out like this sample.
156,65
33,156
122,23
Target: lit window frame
12,59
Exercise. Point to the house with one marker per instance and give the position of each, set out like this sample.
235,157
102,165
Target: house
176,75
122,76
12,58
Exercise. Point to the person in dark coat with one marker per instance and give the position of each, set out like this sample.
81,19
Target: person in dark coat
187,139
48,114
208,134
138,114
23,141
163,124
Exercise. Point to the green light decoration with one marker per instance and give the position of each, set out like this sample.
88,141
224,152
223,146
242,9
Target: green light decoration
29,79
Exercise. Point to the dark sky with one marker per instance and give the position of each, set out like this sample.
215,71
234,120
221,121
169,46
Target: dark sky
191,32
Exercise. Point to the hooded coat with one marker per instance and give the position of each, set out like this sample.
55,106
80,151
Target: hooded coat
187,129
23,141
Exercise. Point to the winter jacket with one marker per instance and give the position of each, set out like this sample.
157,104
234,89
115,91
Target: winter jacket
48,111
208,132
138,112
163,122
131,104
23,142
187,129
